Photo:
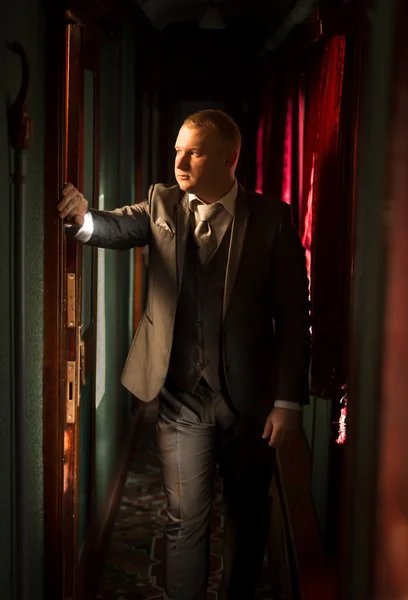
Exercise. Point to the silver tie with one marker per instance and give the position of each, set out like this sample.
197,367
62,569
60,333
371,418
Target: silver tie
204,234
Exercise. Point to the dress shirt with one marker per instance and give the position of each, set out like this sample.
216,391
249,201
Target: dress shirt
84,232
222,220
219,225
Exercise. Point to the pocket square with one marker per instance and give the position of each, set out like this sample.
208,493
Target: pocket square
162,223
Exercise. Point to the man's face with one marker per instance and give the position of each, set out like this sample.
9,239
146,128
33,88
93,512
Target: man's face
203,160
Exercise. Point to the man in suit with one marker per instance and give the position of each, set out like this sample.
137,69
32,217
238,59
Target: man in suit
224,343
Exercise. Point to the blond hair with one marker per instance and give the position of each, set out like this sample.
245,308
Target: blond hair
220,121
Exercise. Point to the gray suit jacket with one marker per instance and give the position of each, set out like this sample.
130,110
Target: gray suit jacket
265,341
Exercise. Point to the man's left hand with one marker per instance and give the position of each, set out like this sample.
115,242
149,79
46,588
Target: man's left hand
281,424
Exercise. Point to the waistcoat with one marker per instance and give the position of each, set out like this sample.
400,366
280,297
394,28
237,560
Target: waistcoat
196,350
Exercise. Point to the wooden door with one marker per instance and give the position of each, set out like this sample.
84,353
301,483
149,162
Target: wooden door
81,168
72,154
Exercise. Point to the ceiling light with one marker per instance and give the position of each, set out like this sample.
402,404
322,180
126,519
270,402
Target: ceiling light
211,19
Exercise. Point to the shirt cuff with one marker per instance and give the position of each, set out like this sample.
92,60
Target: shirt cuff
286,404
84,233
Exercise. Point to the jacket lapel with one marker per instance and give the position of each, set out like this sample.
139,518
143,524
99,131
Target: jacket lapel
183,225
239,229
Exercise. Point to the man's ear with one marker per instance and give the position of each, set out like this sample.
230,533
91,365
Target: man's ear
232,158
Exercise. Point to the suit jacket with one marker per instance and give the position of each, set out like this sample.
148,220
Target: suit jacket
265,329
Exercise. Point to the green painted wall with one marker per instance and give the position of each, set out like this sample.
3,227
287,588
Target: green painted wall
320,472
319,410
116,185
22,21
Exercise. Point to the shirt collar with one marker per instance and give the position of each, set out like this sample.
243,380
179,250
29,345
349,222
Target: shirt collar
228,201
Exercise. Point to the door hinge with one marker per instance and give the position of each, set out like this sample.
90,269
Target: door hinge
71,300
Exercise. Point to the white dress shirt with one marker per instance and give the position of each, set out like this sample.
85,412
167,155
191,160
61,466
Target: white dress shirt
85,232
221,222
219,225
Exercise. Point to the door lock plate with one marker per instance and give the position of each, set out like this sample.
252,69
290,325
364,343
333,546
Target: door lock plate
71,392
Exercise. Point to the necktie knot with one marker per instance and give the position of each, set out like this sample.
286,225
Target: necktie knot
208,212
204,235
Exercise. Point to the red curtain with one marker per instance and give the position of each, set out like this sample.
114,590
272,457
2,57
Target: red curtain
286,194
323,230
274,141
264,137
299,161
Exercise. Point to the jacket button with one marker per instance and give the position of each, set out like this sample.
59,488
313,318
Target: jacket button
227,369
200,367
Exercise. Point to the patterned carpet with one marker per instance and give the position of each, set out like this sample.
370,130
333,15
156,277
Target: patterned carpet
134,560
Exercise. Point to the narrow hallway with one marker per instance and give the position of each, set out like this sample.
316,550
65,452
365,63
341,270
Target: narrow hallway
94,95
134,558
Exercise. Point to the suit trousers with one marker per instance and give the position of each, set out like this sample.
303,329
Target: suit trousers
194,433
